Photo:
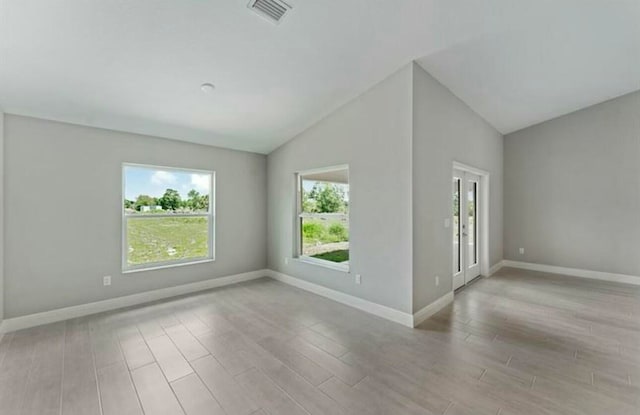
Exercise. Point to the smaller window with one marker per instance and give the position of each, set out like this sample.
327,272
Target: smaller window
323,217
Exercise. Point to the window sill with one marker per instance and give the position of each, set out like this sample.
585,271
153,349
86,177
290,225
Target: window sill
322,263
165,266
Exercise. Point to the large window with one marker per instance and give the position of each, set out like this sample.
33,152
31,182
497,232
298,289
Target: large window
323,216
167,216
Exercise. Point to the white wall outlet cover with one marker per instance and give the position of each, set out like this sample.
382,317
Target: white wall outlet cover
358,279
106,280
447,222
286,260
521,251
437,280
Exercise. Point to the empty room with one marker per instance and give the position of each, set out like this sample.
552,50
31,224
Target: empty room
293,207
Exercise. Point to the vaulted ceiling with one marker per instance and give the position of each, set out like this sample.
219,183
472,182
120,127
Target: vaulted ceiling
137,65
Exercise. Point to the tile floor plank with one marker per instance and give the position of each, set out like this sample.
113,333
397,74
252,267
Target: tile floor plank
224,347
45,378
156,396
173,364
194,396
15,369
79,383
233,398
117,393
348,374
267,395
188,345
135,350
324,343
301,364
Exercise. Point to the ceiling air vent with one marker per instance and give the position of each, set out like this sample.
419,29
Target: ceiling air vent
272,10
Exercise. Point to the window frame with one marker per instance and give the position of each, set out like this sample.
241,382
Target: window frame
299,215
210,215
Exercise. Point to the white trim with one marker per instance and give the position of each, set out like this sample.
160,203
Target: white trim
60,314
336,266
379,310
426,312
168,265
172,168
323,169
465,167
166,215
575,272
495,268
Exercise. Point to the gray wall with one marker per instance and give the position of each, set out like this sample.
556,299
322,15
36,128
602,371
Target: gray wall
63,213
446,130
373,135
572,189
63,191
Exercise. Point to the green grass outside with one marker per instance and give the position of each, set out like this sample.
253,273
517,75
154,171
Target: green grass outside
341,255
318,232
164,239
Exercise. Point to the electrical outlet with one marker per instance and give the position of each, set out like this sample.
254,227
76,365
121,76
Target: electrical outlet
358,279
106,280
521,251
437,280
447,222
286,260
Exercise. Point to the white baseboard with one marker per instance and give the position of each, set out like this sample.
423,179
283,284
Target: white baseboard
495,268
385,312
426,312
60,314
575,272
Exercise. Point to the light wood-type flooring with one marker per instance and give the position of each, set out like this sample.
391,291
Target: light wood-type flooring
519,342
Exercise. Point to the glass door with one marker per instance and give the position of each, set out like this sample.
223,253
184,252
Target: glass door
470,229
466,230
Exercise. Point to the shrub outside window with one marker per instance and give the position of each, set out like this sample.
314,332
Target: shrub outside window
167,216
323,216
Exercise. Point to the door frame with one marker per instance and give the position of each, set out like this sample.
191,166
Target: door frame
483,219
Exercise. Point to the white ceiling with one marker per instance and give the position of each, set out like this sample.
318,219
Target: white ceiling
335,176
570,59
137,65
